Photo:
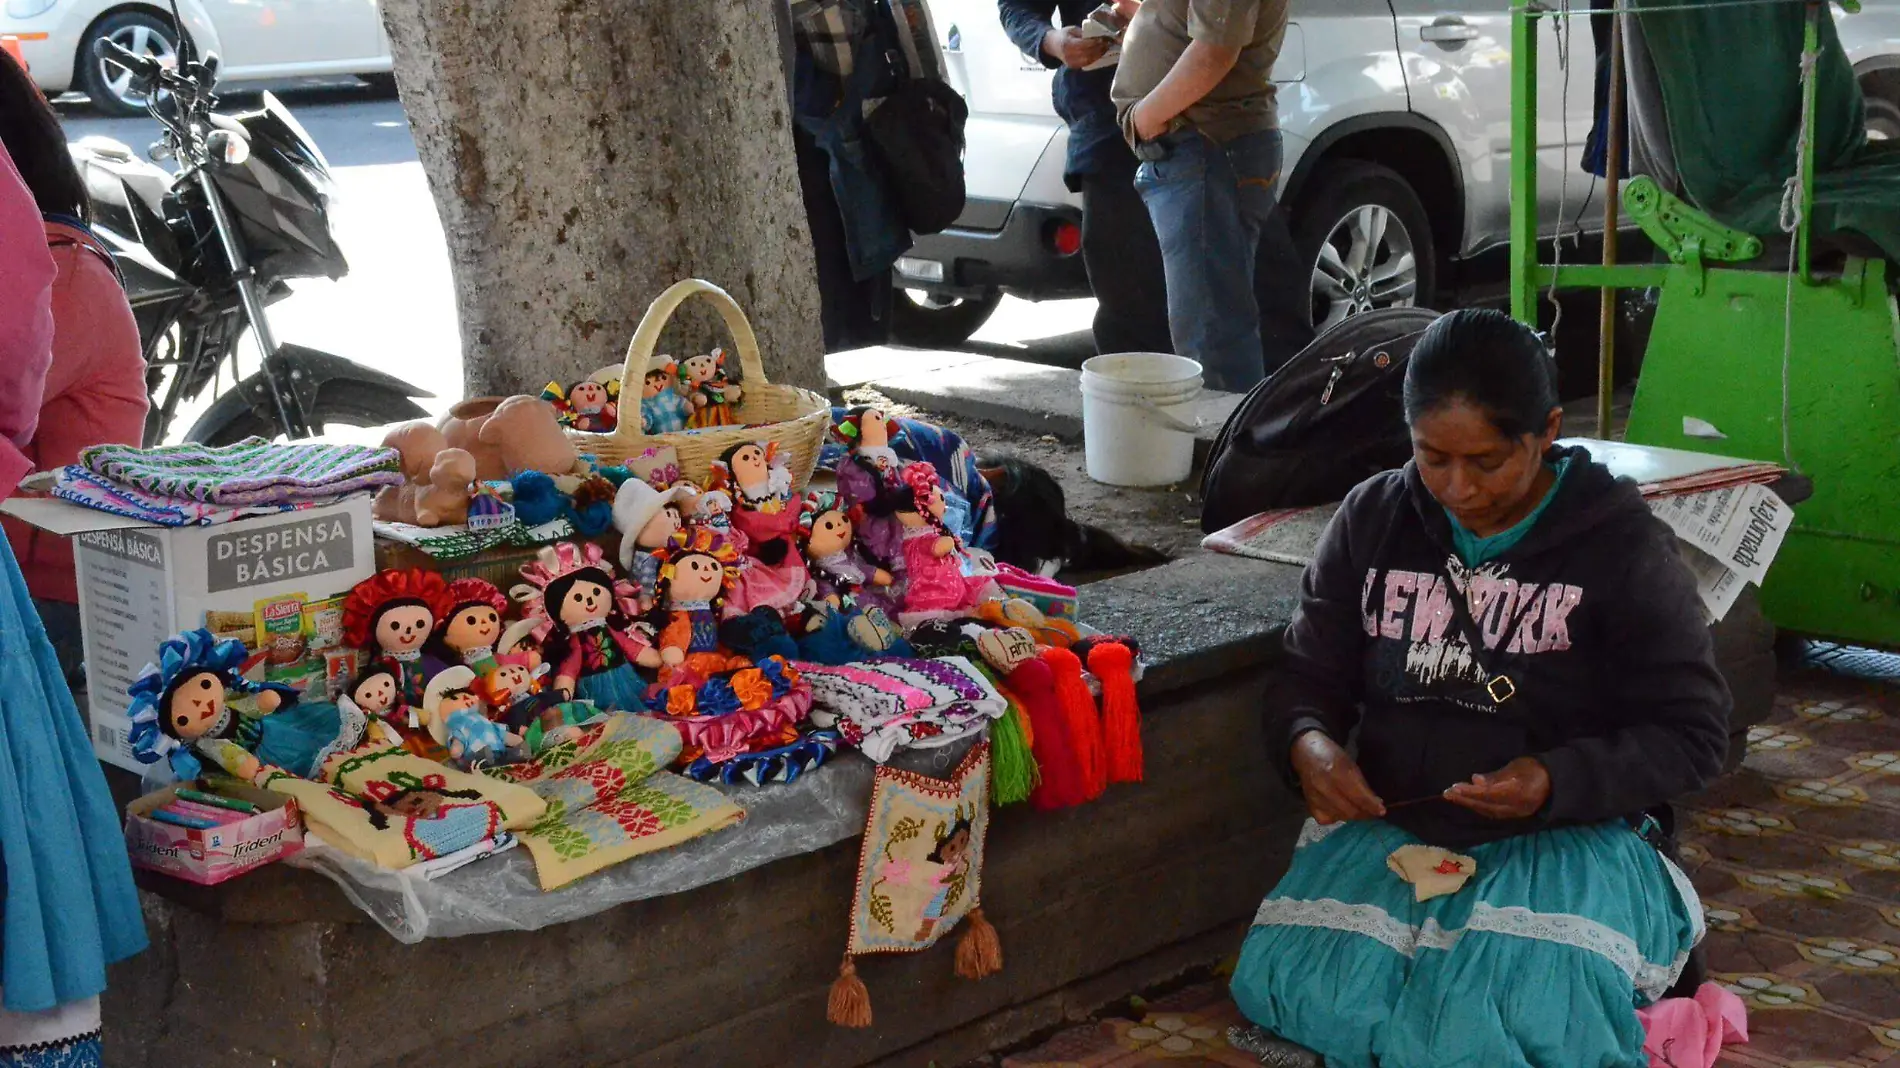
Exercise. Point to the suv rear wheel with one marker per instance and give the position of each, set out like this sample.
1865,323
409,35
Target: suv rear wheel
1366,234
930,321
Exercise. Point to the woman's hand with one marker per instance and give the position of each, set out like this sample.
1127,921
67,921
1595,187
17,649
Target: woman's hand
942,547
1335,790
1516,791
564,685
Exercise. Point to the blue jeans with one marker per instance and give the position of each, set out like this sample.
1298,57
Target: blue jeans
1209,202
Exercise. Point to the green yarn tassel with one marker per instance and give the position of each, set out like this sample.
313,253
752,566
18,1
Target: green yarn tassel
1013,770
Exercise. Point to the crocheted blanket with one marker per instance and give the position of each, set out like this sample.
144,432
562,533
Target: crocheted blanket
893,703
609,799
251,472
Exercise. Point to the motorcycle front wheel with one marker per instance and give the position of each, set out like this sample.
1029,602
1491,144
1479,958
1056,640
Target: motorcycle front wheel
340,402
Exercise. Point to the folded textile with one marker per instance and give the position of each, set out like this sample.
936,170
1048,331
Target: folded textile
80,486
251,472
888,704
609,799
459,541
502,842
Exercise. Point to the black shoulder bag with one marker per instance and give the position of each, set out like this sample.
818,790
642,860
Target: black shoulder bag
917,134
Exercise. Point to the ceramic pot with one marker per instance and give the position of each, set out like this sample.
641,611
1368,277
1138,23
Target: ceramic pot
462,426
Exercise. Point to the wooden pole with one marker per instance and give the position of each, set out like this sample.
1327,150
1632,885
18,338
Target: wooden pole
1612,180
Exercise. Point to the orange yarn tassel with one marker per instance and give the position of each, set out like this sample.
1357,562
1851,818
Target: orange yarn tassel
980,952
849,1004
1083,721
1114,665
1033,684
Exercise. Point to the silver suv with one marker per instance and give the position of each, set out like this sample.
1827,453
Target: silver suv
1397,122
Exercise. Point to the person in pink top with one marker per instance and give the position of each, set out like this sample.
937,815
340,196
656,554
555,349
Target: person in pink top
67,904
94,391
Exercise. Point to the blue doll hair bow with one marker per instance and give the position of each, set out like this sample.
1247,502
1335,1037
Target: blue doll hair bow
178,657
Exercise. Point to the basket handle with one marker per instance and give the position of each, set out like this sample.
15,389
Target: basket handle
646,337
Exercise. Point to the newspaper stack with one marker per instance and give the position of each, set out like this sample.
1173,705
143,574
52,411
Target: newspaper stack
1720,507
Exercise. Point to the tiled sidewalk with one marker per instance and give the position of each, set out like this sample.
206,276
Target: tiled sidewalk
1797,859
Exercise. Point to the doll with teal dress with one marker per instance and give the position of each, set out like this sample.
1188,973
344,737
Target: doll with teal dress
586,624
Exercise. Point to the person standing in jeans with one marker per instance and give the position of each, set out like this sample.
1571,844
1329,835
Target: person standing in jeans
1118,240
1195,100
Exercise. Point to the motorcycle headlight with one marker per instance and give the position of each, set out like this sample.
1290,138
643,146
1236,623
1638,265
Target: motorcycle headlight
26,9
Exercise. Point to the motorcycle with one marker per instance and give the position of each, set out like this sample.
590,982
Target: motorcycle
205,251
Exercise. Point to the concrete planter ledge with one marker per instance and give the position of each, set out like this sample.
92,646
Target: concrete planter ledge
277,968
1029,396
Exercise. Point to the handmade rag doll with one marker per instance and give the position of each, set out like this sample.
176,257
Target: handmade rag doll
766,511
646,518
663,408
468,623
935,586
390,616
181,710
722,703
585,616
592,404
838,569
867,480
459,723
709,389
377,694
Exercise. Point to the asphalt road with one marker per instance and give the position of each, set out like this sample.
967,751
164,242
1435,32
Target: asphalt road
396,307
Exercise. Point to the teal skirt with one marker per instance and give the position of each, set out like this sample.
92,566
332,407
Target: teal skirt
1541,959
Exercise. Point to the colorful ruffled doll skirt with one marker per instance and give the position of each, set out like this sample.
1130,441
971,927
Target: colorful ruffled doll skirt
70,906
747,709
1540,959
618,689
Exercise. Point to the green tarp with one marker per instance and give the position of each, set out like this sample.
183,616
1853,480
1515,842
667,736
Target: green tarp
1731,88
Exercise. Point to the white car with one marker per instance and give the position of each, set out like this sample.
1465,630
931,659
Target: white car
285,39
1396,116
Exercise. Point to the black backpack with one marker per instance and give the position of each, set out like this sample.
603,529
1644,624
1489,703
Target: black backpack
1323,423
917,132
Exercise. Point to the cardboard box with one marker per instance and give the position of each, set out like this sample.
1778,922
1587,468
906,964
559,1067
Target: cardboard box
212,855
140,584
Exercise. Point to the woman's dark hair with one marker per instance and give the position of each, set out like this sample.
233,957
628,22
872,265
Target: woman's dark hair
1490,360
33,138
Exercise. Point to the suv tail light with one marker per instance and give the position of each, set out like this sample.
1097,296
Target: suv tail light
1066,238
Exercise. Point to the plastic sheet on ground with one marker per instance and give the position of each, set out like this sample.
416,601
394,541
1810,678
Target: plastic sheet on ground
827,805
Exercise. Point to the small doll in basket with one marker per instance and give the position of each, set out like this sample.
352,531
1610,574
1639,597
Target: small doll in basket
935,586
712,509
765,511
647,518
459,723
586,618
710,390
390,616
468,623
663,408
592,404
181,711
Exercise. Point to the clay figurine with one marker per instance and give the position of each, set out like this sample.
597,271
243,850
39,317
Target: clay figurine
462,429
663,408
586,623
711,392
526,436
439,479
766,512
647,518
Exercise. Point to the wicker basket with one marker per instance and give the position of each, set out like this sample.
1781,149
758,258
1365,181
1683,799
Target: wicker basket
797,419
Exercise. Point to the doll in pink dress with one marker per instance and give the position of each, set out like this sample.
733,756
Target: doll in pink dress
765,511
935,586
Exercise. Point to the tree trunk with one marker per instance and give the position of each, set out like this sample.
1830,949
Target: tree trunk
586,154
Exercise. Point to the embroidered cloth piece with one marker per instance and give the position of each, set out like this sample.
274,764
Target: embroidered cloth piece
1433,872
80,486
921,868
888,704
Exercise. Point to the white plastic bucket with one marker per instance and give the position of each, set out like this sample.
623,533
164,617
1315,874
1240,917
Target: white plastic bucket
1137,417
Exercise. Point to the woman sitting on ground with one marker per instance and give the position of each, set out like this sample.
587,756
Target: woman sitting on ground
1514,782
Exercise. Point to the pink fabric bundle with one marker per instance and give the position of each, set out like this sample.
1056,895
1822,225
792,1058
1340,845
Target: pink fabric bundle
1690,1032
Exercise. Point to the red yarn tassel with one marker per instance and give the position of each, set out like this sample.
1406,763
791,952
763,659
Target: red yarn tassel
1083,721
1034,687
1114,665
